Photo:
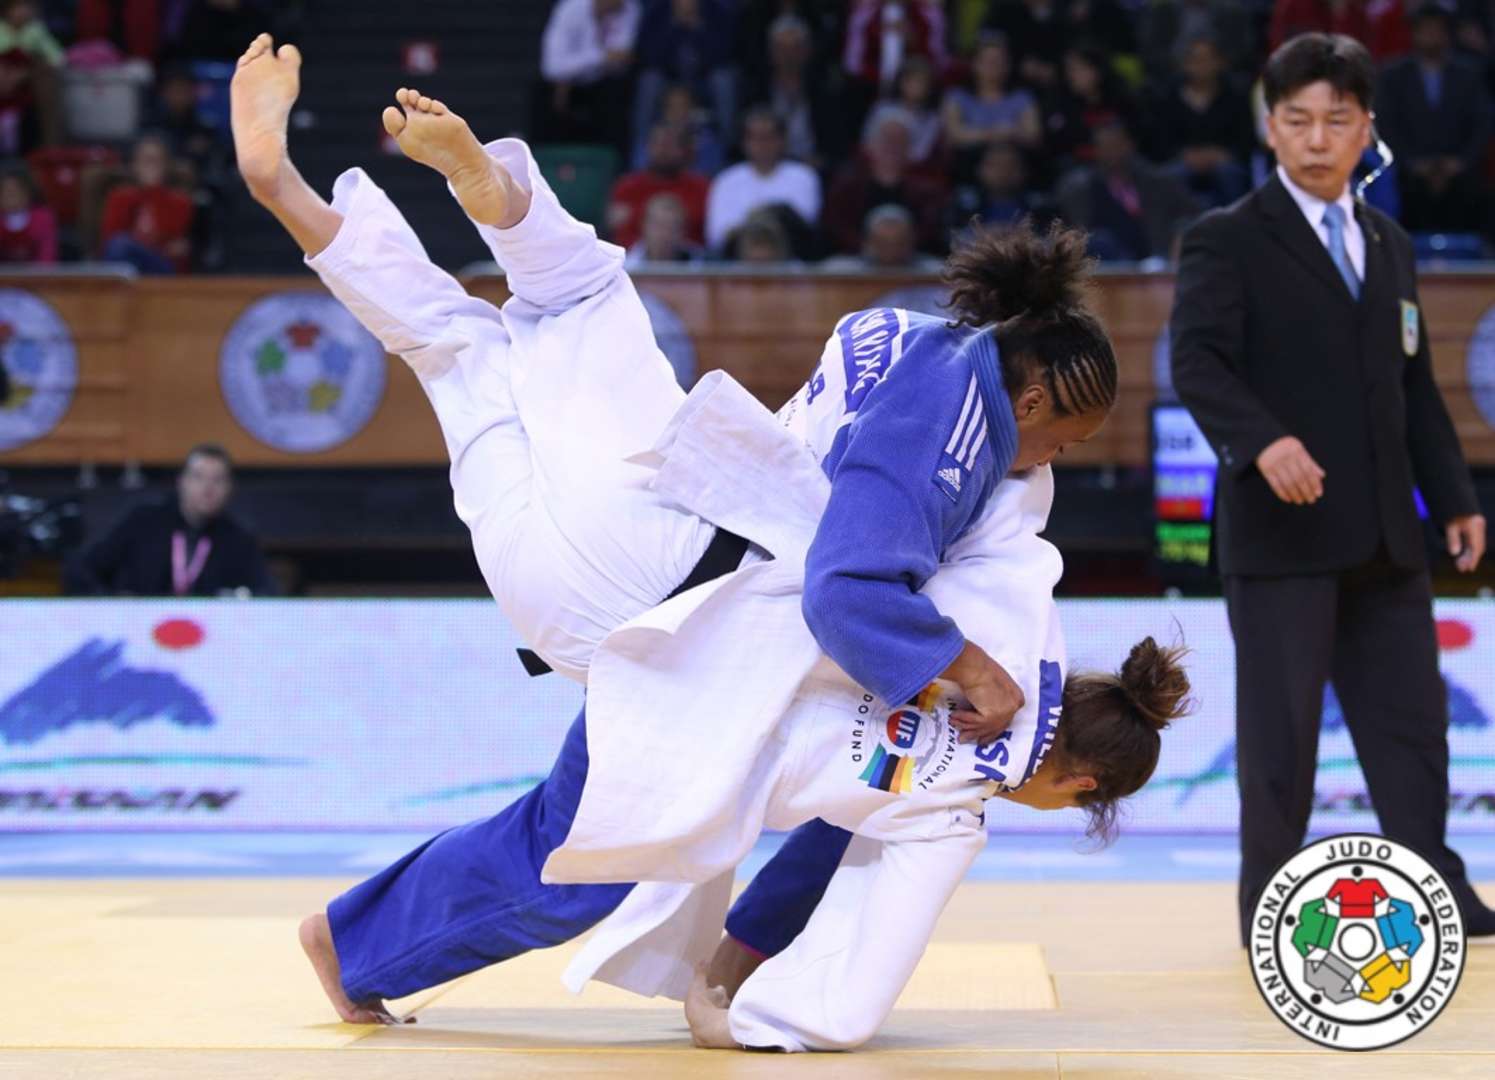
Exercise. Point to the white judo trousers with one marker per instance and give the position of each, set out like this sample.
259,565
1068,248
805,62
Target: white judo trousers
539,404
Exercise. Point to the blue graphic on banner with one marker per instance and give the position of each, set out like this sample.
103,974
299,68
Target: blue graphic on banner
94,686
299,373
41,361
357,715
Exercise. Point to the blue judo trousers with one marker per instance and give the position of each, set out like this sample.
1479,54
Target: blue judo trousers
444,910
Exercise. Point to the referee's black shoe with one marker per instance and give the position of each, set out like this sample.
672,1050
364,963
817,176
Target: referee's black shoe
1479,920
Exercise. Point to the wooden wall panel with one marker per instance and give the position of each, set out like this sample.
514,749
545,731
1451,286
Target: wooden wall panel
148,359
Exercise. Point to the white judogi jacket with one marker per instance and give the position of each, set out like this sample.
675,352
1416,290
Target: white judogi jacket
715,715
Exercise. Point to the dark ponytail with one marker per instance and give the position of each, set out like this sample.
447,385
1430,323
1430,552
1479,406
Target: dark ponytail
1111,724
1030,290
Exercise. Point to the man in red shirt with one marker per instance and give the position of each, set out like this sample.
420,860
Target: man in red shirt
147,223
669,152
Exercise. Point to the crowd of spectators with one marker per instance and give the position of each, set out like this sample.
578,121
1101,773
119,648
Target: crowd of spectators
113,129
872,133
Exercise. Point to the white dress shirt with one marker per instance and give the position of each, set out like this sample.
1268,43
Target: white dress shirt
740,189
575,44
1313,209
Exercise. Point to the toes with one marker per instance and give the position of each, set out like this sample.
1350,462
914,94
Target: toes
402,97
290,55
394,121
257,48
438,108
425,104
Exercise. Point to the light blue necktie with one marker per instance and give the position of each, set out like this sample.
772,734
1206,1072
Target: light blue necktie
1334,219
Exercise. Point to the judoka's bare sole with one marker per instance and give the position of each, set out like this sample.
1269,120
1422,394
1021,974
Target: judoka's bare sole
430,133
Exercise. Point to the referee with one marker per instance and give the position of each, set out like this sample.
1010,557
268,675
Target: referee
1300,349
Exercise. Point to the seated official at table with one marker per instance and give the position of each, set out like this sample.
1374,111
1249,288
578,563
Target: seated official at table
186,546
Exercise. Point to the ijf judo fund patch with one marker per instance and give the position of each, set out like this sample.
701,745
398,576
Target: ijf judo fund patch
1357,943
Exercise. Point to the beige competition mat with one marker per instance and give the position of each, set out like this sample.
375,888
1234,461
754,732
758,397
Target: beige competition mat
203,978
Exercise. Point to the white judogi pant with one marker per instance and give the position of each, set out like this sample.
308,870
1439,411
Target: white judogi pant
539,404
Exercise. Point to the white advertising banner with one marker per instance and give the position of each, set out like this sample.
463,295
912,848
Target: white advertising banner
416,715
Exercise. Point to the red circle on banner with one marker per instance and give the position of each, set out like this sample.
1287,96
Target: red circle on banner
177,634
1454,634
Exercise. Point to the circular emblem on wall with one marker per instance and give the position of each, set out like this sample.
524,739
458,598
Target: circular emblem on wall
1481,366
41,366
672,338
299,373
1357,943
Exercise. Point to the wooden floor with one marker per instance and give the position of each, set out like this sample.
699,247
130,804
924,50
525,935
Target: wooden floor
140,978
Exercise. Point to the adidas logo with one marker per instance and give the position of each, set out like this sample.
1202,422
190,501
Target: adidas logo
951,477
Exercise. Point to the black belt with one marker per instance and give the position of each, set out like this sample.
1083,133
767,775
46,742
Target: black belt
722,556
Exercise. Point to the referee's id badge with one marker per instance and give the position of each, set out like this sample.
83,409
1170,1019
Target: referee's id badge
1409,328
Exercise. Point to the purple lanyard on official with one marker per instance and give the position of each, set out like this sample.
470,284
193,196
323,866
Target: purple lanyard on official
183,572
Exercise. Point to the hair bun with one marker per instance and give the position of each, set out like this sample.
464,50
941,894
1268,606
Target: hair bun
1155,683
1001,273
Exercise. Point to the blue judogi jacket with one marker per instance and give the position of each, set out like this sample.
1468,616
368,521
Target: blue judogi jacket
926,434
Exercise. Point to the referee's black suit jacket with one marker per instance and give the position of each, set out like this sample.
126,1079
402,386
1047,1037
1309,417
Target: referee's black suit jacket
1268,341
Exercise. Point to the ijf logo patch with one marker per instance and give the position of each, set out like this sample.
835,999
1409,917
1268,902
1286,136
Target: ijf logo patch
299,373
903,748
41,361
1357,943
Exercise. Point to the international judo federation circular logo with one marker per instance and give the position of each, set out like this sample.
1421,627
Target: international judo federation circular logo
41,365
299,373
1357,943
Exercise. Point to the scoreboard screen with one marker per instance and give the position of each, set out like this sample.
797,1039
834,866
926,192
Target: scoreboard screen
1183,490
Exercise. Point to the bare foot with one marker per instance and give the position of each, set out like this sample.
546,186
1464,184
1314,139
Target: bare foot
264,88
432,134
316,941
706,1013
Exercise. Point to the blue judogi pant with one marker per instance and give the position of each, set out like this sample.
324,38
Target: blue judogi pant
472,896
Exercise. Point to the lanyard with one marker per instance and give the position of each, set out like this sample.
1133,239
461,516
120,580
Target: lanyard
183,572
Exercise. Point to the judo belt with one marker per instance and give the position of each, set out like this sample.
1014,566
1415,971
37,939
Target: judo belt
722,556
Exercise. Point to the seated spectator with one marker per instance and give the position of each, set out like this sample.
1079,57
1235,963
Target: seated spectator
147,223
1035,31
760,240
1202,126
1379,25
185,546
132,26
1001,195
825,22
678,108
216,30
1434,111
766,177
882,34
586,54
669,152
663,237
884,174
28,231
790,87
1165,23
30,95
915,101
1133,210
687,42
990,110
888,244
1090,97
173,113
